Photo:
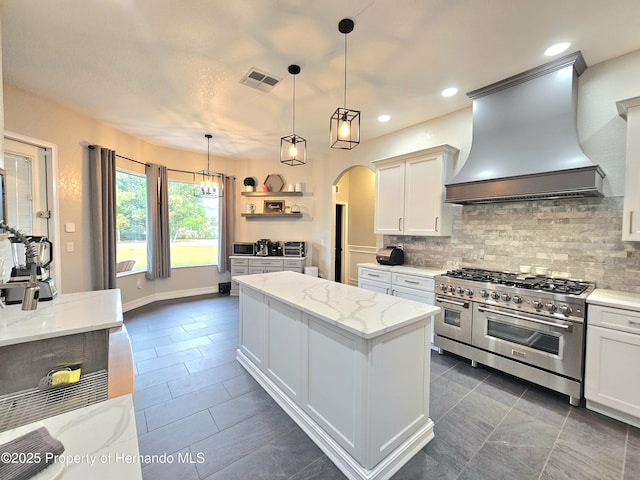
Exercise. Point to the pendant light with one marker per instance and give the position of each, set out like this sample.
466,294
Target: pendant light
293,148
344,130
207,183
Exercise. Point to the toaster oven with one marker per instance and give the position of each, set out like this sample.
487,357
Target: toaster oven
294,249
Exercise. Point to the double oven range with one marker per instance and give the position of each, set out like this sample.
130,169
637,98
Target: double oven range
529,326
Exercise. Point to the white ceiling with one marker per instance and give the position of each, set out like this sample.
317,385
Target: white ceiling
168,71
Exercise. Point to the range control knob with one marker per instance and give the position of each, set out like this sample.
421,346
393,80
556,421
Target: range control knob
566,310
451,288
495,295
484,293
460,290
505,297
469,292
537,304
442,287
517,299
551,307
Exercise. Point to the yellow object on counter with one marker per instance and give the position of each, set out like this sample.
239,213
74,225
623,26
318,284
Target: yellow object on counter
65,377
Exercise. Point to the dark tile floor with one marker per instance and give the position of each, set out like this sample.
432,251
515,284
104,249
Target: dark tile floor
196,405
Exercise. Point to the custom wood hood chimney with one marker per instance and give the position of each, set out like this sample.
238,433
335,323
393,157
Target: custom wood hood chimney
525,141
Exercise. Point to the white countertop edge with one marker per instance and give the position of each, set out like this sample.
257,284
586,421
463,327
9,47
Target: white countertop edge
428,272
425,313
67,314
273,257
615,299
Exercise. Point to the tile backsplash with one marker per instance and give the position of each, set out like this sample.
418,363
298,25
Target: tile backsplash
579,237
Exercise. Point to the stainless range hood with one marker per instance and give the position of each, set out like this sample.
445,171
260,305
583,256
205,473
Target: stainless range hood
525,142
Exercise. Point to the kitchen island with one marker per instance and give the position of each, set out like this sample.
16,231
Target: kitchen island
350,366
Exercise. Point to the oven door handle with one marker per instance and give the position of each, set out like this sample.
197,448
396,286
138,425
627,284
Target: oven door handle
564,326
453,302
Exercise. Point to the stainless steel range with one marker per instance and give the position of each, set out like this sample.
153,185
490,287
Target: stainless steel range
530,326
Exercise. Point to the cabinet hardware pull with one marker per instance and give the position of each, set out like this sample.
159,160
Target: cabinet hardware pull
373,274
631,221
631,322
566,327
414,282
437,223
400,224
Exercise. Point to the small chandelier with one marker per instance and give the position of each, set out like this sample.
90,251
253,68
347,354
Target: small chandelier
207,183
293,148
344,130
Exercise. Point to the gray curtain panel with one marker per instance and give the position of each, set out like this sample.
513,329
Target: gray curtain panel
158,241
102,167
226,225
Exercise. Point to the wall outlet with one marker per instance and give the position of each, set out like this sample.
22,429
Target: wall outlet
139,284
400,245
69,246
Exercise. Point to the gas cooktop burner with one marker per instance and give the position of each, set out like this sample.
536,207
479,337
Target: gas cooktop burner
543,283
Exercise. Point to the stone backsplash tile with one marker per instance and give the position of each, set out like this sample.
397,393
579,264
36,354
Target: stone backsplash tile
581,238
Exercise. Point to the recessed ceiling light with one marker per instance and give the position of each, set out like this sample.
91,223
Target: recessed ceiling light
556,49
384,118
449,92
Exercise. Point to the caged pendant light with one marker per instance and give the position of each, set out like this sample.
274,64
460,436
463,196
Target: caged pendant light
344,130
207,183
293,148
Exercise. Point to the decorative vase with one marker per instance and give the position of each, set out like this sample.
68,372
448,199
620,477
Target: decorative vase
248,188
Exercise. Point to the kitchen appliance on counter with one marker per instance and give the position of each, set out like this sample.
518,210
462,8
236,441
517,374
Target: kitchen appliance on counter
244,248
262,247
21,271
275,249
390,256
530,326
294,249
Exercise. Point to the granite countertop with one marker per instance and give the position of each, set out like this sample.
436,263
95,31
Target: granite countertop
100,441
275,257
615,299
64,315
408,269
362,312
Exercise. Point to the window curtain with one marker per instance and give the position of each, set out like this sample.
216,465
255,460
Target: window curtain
226,224
102,167
158,241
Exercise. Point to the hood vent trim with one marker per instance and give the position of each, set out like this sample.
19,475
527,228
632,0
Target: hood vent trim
525,143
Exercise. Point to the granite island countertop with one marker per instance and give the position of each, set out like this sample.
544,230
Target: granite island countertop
66,314
362,312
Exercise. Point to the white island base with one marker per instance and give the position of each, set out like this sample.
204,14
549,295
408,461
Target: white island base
349,366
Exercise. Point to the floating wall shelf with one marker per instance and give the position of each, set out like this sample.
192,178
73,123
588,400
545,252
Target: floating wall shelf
271,215
271,194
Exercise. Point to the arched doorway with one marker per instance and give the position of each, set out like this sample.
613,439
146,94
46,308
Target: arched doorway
353,240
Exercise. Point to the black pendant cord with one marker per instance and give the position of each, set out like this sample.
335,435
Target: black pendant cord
345,71
294,107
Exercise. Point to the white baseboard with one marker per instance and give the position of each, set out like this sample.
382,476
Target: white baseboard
141,302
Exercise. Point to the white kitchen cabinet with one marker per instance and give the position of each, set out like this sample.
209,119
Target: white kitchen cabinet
410,193
612,359
630,110
411,283
247,265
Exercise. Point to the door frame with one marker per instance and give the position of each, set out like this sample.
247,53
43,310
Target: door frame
52,199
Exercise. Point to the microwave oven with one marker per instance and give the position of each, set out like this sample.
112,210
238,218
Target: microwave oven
293,249
244,248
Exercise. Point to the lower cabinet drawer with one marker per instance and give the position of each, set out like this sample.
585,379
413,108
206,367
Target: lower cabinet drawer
413,281
291,264
265,262
235,271
239,262
376,275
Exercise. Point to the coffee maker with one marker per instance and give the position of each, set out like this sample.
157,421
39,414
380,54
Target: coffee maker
21,270
263,247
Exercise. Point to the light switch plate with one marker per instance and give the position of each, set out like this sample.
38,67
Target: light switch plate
70,227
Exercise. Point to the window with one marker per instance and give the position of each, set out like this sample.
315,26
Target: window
193,226
131,221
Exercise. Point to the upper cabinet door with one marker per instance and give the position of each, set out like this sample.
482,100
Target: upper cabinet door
389,199
630,109
410,193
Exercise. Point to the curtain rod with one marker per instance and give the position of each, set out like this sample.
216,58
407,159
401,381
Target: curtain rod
148,165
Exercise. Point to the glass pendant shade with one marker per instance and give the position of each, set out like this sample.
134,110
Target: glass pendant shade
344,128
293,148
207,183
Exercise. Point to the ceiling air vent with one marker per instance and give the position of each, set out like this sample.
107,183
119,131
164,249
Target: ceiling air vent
259,80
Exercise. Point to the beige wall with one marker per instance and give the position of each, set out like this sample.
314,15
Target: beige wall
601,130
